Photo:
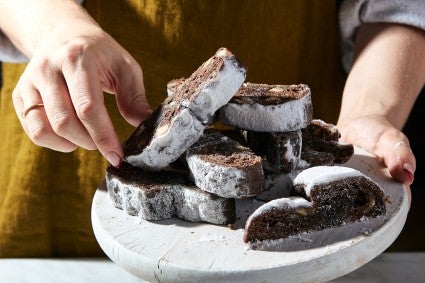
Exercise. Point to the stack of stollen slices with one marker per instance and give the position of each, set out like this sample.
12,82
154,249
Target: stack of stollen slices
304,191
276,121
146,185
279,139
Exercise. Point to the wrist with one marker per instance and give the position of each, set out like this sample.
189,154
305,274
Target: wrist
30,25
365,97
64,33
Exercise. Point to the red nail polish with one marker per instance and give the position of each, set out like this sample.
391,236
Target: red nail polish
409,170
411,177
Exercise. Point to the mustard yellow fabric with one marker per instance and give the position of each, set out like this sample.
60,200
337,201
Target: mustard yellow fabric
45,196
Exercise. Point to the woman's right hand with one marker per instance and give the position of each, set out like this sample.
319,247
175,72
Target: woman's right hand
70,68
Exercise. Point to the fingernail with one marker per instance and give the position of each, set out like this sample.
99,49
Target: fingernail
409,170
114,159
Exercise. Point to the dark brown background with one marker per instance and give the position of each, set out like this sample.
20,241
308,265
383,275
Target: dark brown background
412,238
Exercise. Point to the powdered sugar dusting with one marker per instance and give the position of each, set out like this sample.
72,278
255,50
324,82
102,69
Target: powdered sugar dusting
213,239
218,92
286,117
279,244
171,144
293,150
194,110
325,125
279,204
184,201
323,174
217,179
227,180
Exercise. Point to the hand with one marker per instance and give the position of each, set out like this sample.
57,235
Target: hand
66,79
380,91
378,136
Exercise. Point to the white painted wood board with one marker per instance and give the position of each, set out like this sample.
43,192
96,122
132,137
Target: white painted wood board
179,251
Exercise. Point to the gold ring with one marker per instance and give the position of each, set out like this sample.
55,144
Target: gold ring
27,110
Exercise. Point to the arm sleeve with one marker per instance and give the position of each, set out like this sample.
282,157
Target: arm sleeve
353,13
9,53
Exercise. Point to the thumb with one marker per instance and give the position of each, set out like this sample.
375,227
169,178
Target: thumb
131,99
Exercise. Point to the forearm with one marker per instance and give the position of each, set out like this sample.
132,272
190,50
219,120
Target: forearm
31,25
387,74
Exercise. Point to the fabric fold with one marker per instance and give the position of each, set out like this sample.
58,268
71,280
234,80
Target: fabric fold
354,13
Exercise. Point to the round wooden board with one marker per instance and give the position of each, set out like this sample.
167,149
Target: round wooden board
174,250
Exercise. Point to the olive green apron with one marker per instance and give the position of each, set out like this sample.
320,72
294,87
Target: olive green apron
45,196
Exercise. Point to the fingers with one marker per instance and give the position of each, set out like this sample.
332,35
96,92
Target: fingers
59,109
69,83
35,122
86,95
376,135
394,149
130,92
